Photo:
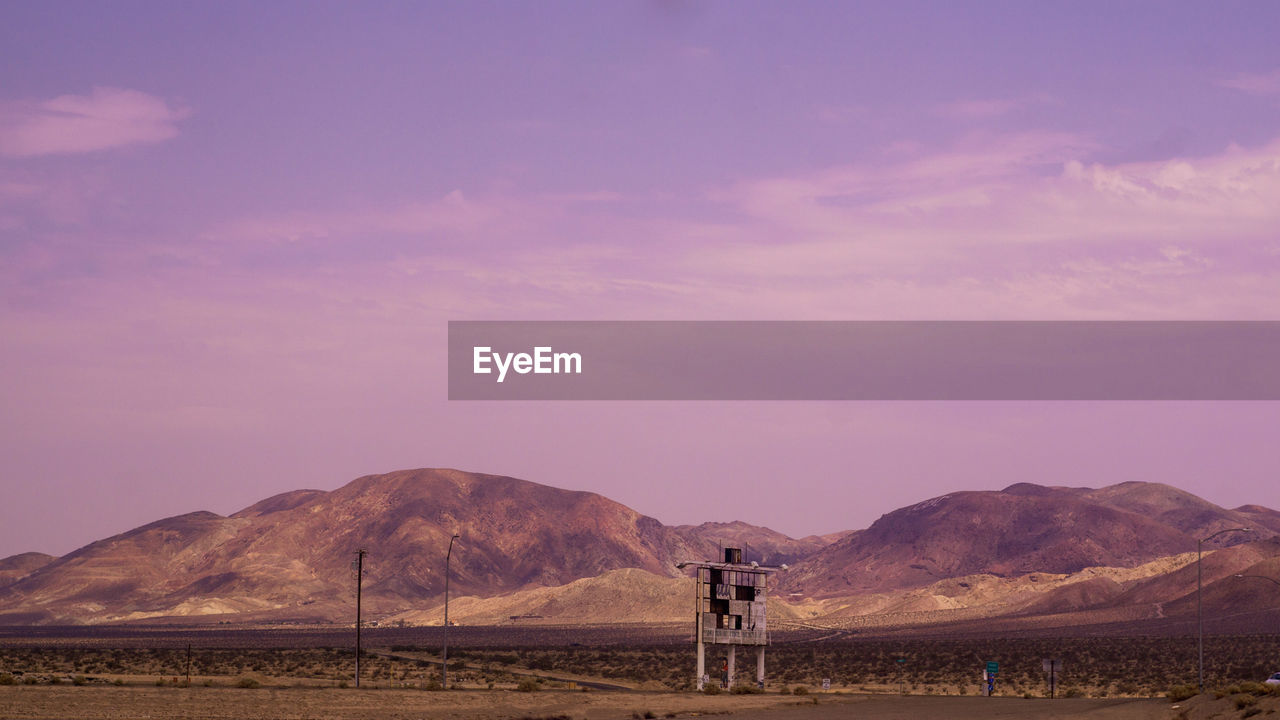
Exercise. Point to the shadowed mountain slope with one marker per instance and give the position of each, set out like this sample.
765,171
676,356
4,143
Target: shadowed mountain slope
1021,529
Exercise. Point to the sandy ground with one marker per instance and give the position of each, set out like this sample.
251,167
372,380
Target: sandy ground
922,707
93,703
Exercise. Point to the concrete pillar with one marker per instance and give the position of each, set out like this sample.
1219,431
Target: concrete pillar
731,668
702,661
760,664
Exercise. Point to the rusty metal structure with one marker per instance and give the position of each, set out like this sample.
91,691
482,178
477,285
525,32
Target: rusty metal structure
729,610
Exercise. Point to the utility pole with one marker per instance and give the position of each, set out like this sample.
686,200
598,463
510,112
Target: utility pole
1199,591
359,579
188,664
444,663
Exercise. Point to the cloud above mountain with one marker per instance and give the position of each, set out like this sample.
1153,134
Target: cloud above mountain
103,119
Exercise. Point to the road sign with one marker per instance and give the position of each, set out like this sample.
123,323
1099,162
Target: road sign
826,683
1053,666
993,667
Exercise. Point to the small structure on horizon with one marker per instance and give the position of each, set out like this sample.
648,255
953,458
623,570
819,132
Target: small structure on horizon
729,610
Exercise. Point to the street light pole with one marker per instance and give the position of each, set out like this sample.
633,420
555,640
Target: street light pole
1261,577
1199,589
444,664
359,581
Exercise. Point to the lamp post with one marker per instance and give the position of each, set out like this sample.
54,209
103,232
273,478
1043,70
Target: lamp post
359,581
1261,577
444,664
1199,589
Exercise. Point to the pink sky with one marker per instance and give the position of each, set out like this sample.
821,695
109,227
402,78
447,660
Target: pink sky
231,236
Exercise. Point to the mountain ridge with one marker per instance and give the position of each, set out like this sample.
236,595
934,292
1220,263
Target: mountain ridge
290,553
288,556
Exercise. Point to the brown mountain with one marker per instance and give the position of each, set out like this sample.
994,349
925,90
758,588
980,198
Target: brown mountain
1183,511
290,556
1167,601
759,544
1022,529
1234,596
1175,591
1070,554
16,567
1260,517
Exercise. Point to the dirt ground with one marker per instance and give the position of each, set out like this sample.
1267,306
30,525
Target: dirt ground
924,707
117,703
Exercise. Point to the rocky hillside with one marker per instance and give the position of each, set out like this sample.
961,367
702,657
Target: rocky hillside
290,556
1022,529
533,553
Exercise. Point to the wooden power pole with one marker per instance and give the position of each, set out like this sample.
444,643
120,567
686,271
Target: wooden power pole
359,578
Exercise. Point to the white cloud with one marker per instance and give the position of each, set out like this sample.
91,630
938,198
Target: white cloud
1014,226
1266,83
105,118
1018,189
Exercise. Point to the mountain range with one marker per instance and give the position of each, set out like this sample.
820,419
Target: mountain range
533,553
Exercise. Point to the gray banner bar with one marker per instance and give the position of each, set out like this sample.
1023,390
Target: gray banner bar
871,360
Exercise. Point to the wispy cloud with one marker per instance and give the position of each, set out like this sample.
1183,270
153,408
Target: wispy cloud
1002,227
983,108
1261,84
1024,188
1021,225
105,118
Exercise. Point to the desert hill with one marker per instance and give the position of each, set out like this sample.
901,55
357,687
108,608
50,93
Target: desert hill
533,553
628,595
1183,511
1022,529
16,567
759,544
291,555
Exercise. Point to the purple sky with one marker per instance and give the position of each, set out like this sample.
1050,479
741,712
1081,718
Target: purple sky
231,235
